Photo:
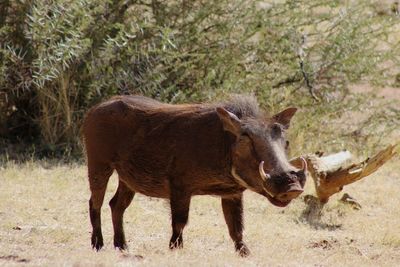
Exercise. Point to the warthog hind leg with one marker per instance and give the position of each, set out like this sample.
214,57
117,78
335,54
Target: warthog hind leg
121,200
180,202
98,179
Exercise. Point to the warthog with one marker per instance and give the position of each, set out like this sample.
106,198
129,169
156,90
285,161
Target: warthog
177,151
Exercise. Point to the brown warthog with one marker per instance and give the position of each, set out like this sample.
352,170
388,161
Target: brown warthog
177,151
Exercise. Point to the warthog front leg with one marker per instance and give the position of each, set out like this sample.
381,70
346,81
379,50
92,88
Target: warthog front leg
233,213
121,200
180,202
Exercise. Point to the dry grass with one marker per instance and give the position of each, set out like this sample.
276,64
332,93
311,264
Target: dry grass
44,221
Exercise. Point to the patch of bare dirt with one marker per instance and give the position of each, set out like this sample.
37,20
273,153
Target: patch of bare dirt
389,93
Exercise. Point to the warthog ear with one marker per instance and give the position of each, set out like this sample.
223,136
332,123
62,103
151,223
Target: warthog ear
230,121
285,116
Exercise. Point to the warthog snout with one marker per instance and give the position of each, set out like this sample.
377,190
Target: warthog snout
287,186
284,186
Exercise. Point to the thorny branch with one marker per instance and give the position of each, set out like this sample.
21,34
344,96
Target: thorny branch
300,55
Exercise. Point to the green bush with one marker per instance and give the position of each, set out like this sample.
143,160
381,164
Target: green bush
59,57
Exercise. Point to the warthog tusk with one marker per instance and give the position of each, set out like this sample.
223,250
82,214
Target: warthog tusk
242,182
264,176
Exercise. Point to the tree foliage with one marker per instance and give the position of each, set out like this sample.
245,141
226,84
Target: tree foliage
59,57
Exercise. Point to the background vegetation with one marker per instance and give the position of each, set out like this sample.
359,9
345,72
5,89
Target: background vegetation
59,57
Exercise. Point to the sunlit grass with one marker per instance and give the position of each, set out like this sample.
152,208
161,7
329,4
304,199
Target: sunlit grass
44,221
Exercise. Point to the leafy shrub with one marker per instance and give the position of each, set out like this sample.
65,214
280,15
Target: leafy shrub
59,57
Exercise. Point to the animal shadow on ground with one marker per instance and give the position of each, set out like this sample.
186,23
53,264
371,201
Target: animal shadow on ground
313,215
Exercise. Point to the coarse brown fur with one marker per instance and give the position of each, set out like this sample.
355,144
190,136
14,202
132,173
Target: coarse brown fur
177,151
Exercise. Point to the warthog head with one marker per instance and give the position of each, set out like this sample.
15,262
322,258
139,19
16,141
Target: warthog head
259,155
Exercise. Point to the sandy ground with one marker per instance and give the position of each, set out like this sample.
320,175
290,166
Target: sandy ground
387,93
44,222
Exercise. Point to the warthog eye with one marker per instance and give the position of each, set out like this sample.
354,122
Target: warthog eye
276,130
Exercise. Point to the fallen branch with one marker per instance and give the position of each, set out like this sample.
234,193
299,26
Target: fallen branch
331,173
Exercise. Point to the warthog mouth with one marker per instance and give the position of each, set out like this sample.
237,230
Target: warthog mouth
284,198
277,202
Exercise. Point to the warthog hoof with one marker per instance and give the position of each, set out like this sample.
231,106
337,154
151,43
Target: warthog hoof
242,249
120,243
176,242
120,246
97,242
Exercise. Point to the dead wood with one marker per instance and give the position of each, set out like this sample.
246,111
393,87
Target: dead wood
331,173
